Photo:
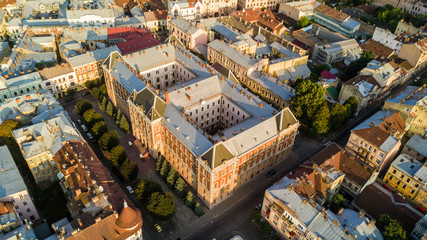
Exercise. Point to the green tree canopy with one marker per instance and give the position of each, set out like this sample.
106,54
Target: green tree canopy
82,106
189,200
161,205
353,69
390,228
124,125
145,188
171,177
180,186
110,109
118,155
129,169
309,97
336,202
339,115
91,117
316,70
104,103
98,129
320,123
102,90
353,103
165,169
304,21
96,92
159,163
109,140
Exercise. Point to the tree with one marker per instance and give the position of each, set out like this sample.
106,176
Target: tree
320,123
118,116
309,97
304,21
109,140
353,69
102,90
189,200
338,116
91,117
118,155
390,228
336,202
96,92
161,205
82,106
265,228
98,129
171,177
198,210
124,125
104,103
89,84
256,216
145,188
316,70
353,103
159,163
164,170
129,169
71,91
180,187
110,109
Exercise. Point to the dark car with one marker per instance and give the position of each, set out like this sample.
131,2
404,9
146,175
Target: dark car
271,173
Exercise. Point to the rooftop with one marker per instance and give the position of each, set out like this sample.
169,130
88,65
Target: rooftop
378,49
56,71
11,181
184,25
418,144
269,82
92,57
332,13
243,60
410,166
411,95
156,15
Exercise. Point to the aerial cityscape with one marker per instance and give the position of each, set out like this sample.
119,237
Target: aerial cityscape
213,119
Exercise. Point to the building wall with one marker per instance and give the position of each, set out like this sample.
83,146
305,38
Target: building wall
88,72
216,7
370,154
333,24
20,89
212,185
293,12
189,40
413,54
348,90
386,38
24,205
255,4
157,25
411,152
59,85
43,168
402,182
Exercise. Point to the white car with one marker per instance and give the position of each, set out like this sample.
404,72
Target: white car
79,121
130,189
89,136
84,128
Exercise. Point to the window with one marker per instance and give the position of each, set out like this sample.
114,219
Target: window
28,210
16,207
25,203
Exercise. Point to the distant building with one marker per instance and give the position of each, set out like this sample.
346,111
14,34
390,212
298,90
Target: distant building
91,17
156,20
345,51
335,20
59,79
39,143
411,103
295,216
14,189
420,230
377,140
387,38
186,9
409,177
19,85
381,52
190,36
298,9
415,52
404,27
415,148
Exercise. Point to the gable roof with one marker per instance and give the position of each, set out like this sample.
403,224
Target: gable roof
152,106
217,155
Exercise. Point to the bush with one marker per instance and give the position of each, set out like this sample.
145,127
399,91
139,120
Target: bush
118,117
109,140
110,109
161,205
118,155
102,90
82,106
266,228
256,216
159,163
198,210
390,228
96,93
104,103
337,202
145,188
189,200
180,187
98,129
91,117
164,170
124,125
171,177
129,169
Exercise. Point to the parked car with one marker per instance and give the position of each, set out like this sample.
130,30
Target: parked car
130,189
387,187
79,121
271,173
157,227
89,136
420,209
84,128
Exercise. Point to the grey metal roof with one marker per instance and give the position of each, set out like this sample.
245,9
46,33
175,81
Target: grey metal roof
243,60
11,181
21,233
407,164
184,25
410,96
77,14
389,144
418,144
269,83
90,57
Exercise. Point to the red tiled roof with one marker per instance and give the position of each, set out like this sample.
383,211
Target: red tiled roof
328,75
374,135
378,49
136,39
375,201
249,15
156,15
4,3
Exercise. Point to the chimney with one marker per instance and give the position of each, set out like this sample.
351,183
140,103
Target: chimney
188,96
361,214
273,112
233,86
166,96
260,104
80,222
340,211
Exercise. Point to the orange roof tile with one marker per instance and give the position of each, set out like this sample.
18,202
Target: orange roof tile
378,49
332,13
375,135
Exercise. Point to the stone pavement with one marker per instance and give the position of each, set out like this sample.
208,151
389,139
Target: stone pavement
134,150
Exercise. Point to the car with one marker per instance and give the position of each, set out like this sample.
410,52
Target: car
84,128
387,187
130,189
79,121
85,93
418,78
420,209
271,173
89,136
157,227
